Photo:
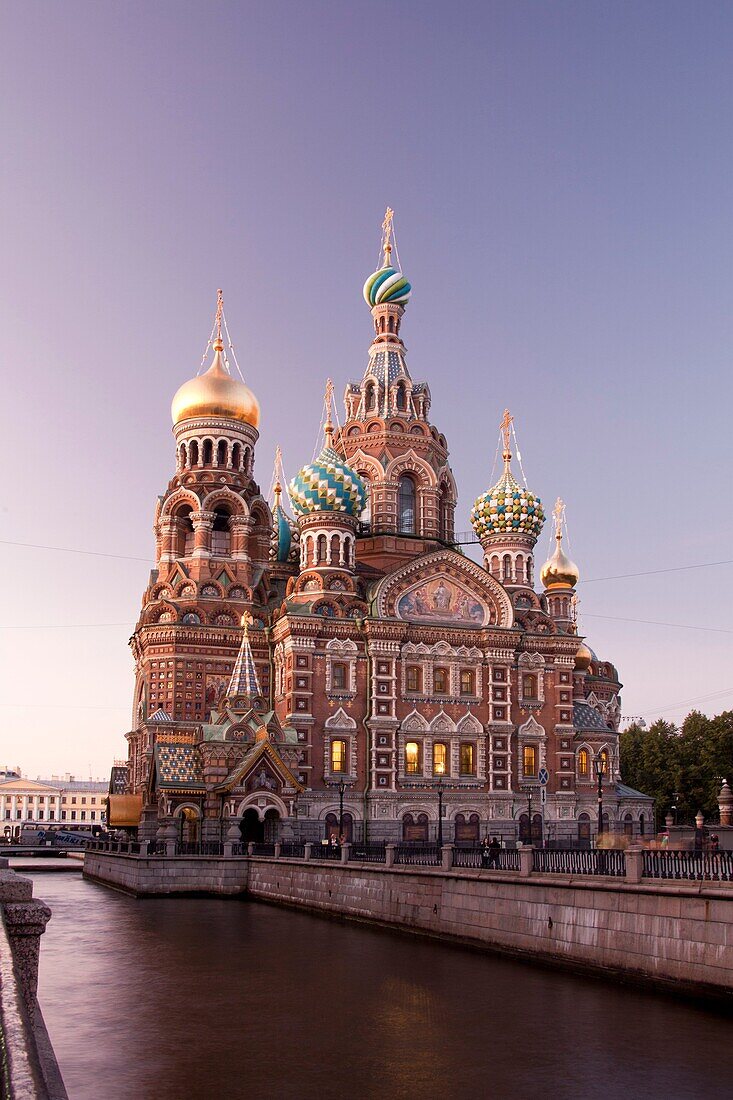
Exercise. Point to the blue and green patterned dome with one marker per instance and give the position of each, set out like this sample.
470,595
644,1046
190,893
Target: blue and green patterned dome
507,509
327,485
386,285
281,540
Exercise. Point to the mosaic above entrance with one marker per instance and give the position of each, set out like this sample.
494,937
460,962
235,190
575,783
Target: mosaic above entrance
442,600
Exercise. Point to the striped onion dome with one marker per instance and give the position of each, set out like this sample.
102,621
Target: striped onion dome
386,285
507,509
282,532
327,485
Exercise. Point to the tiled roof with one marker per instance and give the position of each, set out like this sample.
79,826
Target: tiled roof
586,717
244,675
179,766
628,792
160,715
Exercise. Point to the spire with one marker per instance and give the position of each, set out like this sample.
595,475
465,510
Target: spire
328,424
244,682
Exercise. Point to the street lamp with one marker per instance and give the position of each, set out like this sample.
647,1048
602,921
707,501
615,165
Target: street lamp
599,761
676,796
341,789
440,810
529,814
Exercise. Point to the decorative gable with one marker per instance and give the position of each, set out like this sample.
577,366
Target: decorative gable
444,587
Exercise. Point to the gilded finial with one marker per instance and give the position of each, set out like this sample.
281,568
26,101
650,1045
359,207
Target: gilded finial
387,236
559,513
506,431
277,487
327,400
218,342
247,621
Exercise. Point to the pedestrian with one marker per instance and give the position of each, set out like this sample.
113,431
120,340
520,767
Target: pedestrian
715,843
494,850
485,853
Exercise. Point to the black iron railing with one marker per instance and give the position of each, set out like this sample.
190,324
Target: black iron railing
595,862
418,855
701,866
239,848
326,851
503,860
369,853
263,849
198,848
292,849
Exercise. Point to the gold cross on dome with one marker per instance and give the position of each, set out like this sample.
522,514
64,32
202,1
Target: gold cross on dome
387,235
559,513
506,430
219,312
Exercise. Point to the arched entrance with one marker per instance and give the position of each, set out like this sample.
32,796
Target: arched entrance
188,825
467,831
524,833
252,828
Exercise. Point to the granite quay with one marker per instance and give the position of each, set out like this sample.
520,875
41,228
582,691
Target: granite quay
666,921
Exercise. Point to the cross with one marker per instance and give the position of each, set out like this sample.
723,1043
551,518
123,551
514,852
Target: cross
387,234
219,312
506,427
559,513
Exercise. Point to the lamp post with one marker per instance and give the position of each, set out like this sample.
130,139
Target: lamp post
440,811
676,796
600,766
341,789
529,814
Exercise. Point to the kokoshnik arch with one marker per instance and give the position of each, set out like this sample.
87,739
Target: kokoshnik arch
331,670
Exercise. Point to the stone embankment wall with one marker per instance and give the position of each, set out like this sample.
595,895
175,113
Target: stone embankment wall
678,935
28,1068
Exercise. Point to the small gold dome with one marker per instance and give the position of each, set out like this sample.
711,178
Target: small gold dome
559,571
215,393
583,658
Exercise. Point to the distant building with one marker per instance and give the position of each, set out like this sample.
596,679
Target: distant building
382,673
73,803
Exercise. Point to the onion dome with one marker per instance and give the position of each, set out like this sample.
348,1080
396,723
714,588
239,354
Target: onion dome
387,285
328,484
507,509
216,394
583,658
282,534
559,571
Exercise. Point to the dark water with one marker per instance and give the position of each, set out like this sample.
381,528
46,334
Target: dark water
164,1000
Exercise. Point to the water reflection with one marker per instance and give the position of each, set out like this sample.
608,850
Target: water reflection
160,1000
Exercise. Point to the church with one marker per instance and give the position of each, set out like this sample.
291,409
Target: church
333,662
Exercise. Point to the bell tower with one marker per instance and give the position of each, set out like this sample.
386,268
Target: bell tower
388,438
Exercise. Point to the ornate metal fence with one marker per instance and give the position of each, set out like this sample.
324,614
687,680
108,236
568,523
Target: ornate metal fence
368,853
504,860
702,866
199,848
326,851
595,862
263,849
418,855
292,849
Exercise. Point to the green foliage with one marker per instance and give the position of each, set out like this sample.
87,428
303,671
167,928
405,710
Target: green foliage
665,761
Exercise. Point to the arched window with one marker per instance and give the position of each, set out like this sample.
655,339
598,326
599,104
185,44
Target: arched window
468,682
406,506
221,452
529,685
524,829
583,763
519,566
440,758
413,758
584,829
415,830
400,397
338,756
236,456
183,455
414,678
370,400
184,532
338,675
507,567
366,512
642,823
604,761
193,453
467,758
220,534
628,825
495,566
529,760
321,549
440,681
207,452
444,515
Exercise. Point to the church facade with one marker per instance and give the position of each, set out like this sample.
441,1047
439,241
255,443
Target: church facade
347,668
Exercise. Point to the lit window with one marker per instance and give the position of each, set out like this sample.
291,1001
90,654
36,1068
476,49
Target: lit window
467,682
414,678
604,761
440,759
338,756
529,759
468,766
583,763
412,758
338,673
529,686
440,681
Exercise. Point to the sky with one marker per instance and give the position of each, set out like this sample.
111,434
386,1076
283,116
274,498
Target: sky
560,174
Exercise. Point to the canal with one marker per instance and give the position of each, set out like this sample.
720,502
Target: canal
208,998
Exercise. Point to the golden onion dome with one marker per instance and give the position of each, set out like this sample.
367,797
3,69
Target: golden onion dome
559,571
583,658
216,394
